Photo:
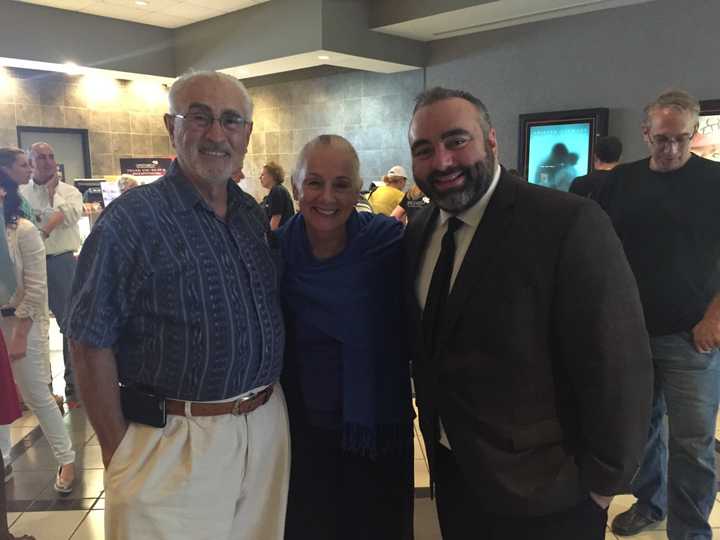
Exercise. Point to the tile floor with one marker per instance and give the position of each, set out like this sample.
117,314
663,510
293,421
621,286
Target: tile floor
35,508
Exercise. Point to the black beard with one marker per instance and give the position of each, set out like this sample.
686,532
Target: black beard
478,178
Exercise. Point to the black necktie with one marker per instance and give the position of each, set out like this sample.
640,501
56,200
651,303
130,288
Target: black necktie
439,286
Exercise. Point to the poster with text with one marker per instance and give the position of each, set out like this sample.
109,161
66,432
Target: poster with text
145,169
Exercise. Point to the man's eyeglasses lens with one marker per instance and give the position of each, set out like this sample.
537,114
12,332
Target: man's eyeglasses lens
199,120
681,140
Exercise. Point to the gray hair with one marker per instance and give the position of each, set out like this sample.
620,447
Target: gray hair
674,99
34,146
182,81
335,141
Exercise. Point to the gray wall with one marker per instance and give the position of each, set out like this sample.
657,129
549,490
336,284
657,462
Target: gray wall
384,13
262,32
371,110
51,35
346,29
618,58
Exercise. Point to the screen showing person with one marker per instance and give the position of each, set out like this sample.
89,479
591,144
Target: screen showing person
558,153
706,142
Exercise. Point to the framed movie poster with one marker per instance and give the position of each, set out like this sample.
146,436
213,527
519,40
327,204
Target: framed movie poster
706,142
556,147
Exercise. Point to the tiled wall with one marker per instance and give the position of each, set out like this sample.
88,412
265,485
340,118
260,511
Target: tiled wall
124,119
371,110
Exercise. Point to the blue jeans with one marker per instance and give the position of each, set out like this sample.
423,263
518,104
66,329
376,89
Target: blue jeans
682,486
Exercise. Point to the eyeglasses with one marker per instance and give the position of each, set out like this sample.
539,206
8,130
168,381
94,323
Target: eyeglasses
681,141
230,122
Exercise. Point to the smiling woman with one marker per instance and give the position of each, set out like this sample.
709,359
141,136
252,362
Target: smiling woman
346,376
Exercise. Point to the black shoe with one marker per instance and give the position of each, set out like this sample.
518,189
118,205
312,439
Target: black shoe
631,522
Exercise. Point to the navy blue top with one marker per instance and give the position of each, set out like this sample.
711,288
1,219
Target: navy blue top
313,374
188,302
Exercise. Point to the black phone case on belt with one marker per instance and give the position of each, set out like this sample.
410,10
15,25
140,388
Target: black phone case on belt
142,408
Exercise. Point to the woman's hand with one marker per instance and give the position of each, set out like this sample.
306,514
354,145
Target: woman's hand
17,348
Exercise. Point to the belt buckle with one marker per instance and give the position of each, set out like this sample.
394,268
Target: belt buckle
239,401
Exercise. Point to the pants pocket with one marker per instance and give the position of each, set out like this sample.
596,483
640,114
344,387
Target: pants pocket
121,452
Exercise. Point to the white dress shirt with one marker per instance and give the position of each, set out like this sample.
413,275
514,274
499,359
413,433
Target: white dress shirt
463,237
66,236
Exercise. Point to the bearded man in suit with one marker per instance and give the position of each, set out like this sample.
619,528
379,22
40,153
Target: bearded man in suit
531,358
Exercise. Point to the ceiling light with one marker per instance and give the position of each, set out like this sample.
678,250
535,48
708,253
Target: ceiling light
323,57
71,68
141,3
63,68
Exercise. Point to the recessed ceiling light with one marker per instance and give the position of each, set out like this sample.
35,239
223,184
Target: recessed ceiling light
323,57
141,2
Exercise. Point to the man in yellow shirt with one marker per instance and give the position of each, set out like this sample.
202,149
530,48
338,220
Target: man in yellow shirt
385,198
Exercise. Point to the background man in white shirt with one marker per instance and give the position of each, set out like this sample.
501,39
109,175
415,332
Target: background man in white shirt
57,207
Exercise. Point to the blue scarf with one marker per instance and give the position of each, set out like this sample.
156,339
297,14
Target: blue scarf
355,298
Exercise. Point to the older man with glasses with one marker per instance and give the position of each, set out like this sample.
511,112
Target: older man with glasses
178,338
666,210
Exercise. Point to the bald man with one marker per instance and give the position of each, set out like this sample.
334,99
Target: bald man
57,207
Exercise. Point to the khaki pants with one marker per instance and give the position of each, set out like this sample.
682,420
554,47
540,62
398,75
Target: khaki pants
221,477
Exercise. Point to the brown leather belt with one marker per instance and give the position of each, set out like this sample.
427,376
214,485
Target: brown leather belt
244,405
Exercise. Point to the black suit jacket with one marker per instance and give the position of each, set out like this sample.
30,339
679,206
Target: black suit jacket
542,373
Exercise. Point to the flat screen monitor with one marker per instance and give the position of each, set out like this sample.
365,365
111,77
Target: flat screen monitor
557,147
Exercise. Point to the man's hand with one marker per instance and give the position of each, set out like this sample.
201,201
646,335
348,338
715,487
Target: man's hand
601,500
109,448
706,333
55,219
51,185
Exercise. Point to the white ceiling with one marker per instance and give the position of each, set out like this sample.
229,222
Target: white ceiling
498,14
164,13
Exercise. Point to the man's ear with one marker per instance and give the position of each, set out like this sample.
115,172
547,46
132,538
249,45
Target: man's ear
492,140
646,134
169,121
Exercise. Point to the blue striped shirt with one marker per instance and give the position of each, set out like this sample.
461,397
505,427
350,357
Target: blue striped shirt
188,302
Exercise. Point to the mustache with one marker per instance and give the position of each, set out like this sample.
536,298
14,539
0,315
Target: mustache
214,147
433,176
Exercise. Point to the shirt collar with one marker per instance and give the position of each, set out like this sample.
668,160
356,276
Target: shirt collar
472,216
189,197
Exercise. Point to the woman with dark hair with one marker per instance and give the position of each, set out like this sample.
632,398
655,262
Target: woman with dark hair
15,164
24,324
413,201
278,204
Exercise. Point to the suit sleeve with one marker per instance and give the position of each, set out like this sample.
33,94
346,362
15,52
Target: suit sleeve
604,350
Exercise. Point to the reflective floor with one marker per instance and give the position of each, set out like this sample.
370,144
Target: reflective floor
34,507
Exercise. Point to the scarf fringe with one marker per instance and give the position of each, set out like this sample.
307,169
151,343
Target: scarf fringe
388,439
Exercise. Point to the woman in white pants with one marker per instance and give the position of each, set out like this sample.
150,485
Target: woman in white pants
25,322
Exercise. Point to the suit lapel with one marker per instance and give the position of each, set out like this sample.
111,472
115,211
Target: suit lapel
483,250
416,239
